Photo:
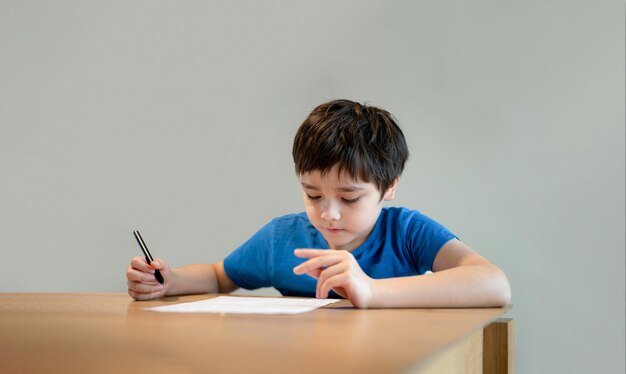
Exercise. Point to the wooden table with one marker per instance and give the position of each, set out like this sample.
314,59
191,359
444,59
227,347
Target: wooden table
111,333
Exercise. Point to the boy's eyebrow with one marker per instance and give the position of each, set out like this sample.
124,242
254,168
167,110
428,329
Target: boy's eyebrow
347,188
309,187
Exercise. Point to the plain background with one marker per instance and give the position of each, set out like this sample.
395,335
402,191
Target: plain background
177,118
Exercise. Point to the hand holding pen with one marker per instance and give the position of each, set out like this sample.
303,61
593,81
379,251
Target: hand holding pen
147,254
147,278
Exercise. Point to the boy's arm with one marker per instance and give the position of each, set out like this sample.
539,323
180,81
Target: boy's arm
460,278
200,278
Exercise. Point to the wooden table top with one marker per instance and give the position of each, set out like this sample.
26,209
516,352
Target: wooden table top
109,332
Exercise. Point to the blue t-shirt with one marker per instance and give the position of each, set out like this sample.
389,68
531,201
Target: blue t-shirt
403,242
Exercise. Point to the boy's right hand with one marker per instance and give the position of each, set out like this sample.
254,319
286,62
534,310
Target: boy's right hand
142,284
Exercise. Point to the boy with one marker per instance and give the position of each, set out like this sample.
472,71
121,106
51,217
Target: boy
348,158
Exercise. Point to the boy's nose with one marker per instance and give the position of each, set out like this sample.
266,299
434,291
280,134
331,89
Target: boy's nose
331,212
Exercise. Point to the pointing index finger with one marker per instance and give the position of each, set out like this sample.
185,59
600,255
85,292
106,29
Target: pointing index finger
317,264
311,253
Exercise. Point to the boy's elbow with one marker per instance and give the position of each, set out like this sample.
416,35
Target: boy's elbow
503,298
496,288
502,294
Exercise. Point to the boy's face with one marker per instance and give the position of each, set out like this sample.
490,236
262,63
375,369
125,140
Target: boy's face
343,209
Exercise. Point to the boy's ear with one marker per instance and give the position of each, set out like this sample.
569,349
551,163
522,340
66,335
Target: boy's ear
391,191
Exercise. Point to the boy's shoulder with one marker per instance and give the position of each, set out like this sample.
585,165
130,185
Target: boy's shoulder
396,212
290,220
406,217
413,222
291,217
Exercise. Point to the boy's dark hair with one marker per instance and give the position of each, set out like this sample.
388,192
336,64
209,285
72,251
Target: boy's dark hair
363,140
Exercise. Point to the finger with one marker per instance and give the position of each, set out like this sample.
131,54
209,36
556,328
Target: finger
335,283
140,264
143,296
319,262
143,287
315,273
316,265
311,253
327,274
140,276
135,293
162,267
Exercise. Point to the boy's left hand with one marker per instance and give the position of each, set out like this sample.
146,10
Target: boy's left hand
336,270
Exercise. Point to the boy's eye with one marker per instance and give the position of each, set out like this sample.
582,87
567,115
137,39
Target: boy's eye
313,197
351,201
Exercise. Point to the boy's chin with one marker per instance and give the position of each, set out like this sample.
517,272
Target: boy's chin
334,244
340,245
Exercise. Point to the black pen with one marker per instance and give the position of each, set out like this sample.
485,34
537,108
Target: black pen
146,252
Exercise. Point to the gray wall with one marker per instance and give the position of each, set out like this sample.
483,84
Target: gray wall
177,118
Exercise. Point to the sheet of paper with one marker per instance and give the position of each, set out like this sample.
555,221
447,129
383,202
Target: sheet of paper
247,305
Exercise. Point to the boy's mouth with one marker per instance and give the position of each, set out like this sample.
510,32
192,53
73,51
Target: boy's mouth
333,230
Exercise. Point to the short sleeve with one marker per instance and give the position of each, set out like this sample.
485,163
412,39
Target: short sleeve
250,265
425,237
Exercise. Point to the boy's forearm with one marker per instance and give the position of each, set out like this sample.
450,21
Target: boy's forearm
193,279
465,286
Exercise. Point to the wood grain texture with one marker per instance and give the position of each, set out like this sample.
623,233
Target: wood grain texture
96,332
498,347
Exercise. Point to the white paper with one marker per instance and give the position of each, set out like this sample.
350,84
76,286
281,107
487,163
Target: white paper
247,305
